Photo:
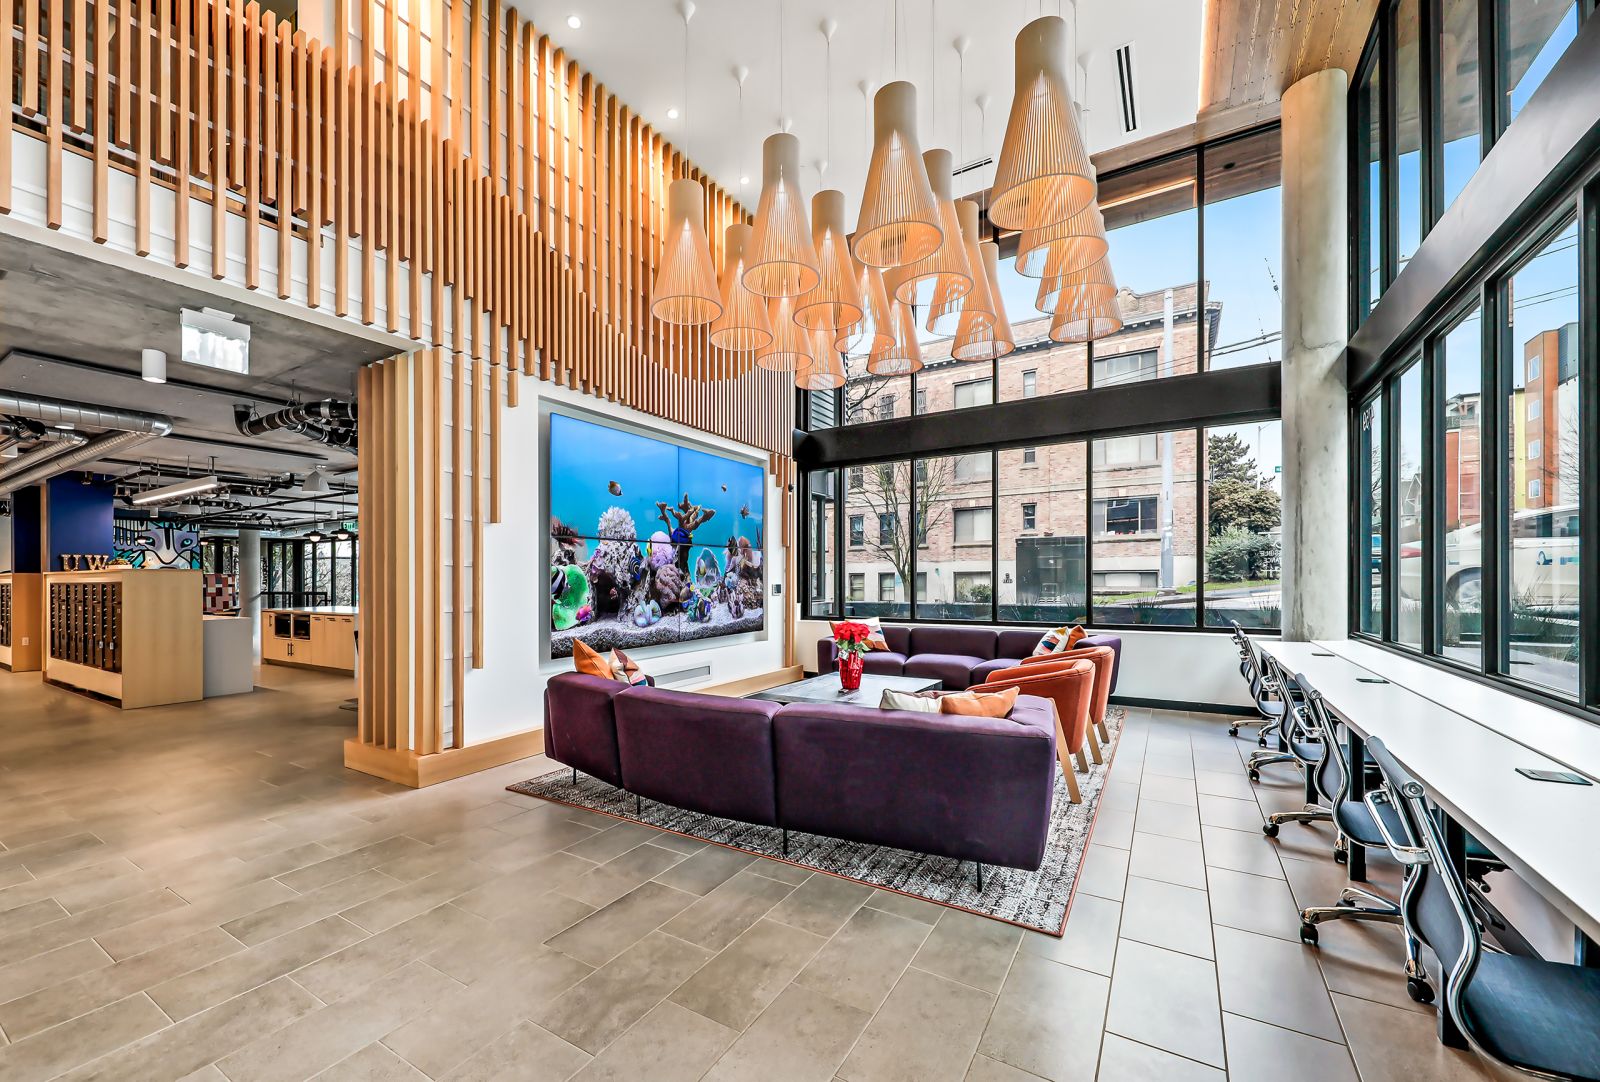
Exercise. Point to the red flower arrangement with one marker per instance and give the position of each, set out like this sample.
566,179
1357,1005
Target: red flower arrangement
851,640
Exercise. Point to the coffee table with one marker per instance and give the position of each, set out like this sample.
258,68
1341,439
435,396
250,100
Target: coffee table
826,689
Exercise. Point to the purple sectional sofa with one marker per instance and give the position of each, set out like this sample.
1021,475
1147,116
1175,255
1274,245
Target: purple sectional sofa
976,789
958,657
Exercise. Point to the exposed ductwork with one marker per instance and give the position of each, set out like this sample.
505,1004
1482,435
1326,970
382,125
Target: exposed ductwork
68,448
330,421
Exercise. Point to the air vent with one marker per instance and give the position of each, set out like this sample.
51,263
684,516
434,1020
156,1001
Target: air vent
684,676
1130,108
976,163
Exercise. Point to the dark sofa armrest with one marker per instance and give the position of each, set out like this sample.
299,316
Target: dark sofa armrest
827,655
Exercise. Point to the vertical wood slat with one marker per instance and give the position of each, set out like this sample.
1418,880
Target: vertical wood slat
53,106
79,68
219,144
7,81
252,179
141,197
100,228
30,59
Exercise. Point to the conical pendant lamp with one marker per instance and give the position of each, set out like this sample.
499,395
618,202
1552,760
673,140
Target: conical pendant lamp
1079,289
835,303
826,370
782,261
946,269
871,332
789,350
744,325
686,290
1066,246
981,336
1044,175
899,222
944,314
903,356
1088,324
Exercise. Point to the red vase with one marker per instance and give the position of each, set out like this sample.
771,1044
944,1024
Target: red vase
850,666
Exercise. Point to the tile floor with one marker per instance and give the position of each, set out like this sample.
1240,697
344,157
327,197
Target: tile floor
203,892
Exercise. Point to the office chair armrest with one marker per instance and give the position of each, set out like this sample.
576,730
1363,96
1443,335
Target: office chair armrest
1405,854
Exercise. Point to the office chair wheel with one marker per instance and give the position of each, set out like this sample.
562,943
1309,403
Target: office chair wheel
1255,775
1261,741
1419,990
1233,730
1270,829
1308,933
1341,856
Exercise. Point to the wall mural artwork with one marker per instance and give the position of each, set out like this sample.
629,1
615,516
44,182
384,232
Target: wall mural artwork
147,545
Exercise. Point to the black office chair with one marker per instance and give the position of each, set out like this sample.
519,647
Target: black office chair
1305,742
1541,1018
1356,826
1280,695
1247,669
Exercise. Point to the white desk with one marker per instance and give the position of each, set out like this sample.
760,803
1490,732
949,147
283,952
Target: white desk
1541,830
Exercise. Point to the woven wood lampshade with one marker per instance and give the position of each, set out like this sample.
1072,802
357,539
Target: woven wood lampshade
1066,246
790,348
1087,324
686,290
903,356
826,370
982,336
835,303
944,314
1044,175
744,325
899,222
1079,289
781,260
872,331
946,269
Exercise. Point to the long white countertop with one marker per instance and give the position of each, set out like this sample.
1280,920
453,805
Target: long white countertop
1540,829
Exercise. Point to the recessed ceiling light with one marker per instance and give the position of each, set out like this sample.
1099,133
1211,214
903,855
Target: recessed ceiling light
672,114
574,22
744,180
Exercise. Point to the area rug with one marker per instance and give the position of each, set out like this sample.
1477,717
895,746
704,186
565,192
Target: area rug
1038,899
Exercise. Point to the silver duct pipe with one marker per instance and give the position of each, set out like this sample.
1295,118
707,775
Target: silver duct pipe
56,413
101,446
54,448
131,427
329,421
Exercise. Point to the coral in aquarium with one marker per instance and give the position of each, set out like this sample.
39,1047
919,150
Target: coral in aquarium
569,596
646,613
707,571
616,568
690,517
668,587
661,550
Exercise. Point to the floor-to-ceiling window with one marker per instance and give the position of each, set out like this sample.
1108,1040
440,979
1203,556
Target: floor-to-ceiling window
1369,515
1410,544
1243,524
302,572
1458,441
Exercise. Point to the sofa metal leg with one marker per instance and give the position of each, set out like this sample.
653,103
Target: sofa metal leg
574,775
980,876
786,843
1094,746
638,805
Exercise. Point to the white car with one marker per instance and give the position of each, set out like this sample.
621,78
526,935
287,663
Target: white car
1544,562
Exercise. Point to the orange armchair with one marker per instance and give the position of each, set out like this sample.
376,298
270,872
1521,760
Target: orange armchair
1105,664
1071,688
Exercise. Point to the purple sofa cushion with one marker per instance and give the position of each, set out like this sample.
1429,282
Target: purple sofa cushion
898,636
982,673
580,727
978,642
707,753
883,662
1113,641
1017,643
954,671
968,788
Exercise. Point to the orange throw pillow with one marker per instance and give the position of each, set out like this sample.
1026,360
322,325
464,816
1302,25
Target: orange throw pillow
980,705
875,639
590,661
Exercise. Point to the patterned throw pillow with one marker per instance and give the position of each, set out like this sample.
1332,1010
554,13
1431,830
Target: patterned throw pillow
1059,640
918,702
875,639
617,666
980,704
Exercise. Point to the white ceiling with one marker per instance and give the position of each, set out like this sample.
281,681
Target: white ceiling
635,47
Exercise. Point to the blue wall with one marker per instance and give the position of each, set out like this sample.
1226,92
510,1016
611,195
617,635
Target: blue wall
80,518
25,519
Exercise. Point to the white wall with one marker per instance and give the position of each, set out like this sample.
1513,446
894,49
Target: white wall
1176,666
507,694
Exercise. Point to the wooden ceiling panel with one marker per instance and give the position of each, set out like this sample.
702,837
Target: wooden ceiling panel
1255,49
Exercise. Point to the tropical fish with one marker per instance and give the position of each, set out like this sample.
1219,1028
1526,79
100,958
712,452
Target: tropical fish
724,488
614,488
744,512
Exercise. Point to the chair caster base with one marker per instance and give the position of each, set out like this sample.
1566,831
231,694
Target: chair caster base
1419,990
1341,856
1261,741
1255,775
1270,829
1233,730
1308,933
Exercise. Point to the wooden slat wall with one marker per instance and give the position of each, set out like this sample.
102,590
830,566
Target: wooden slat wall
527,193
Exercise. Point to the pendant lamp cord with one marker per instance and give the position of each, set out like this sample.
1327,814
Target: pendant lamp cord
783,83
687,13
933,67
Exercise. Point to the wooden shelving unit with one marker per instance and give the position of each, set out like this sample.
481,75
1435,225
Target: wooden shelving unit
20,622
134,637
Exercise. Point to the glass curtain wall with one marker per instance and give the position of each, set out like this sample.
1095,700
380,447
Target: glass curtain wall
1244,525
303,573
1458,418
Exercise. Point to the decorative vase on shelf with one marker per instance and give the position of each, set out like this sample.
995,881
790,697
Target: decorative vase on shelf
850,665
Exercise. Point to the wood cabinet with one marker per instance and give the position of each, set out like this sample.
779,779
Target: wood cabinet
131,636
308,638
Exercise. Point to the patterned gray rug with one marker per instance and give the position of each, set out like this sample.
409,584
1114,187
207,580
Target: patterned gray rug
1038,899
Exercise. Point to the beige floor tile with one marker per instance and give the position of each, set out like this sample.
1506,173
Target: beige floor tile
1231,782
604,1004
1114,828
102,920
304,909
612,842
607,932
720,917
1222,811
1047,1020
802,1037
984,1069
1254,903
617,876
1104,871
1240,851
487,947
863,961
738,984
925,1031
973,950
1391,1045
374,1063
241,971
705,870
1274,981
1089,940
358,965
60,1048
176,923
1167,915
529,1053
670,1044
1170,790
1122,1060
344,865
1171,820
821,904
1170,860
514,892
1258,1052
1169,763
1167,1000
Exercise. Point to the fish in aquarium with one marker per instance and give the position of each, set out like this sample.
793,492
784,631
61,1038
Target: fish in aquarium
569,596
614,488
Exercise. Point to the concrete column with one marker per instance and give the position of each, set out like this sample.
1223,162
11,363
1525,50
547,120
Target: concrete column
250,584
1316,503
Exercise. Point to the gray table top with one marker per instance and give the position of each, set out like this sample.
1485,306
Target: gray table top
826,689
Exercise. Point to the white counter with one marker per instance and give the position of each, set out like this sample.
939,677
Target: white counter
230,656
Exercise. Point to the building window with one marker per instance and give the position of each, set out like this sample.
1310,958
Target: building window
922,400
1118,451
1125,515
1030,456
1535,489
1030,382
972,587
922,586
1535,448
858,586
858,476
886,586
973,525
885,407
1535,408
858,530
975,467
886,528
1030,516
976,392
1125,368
